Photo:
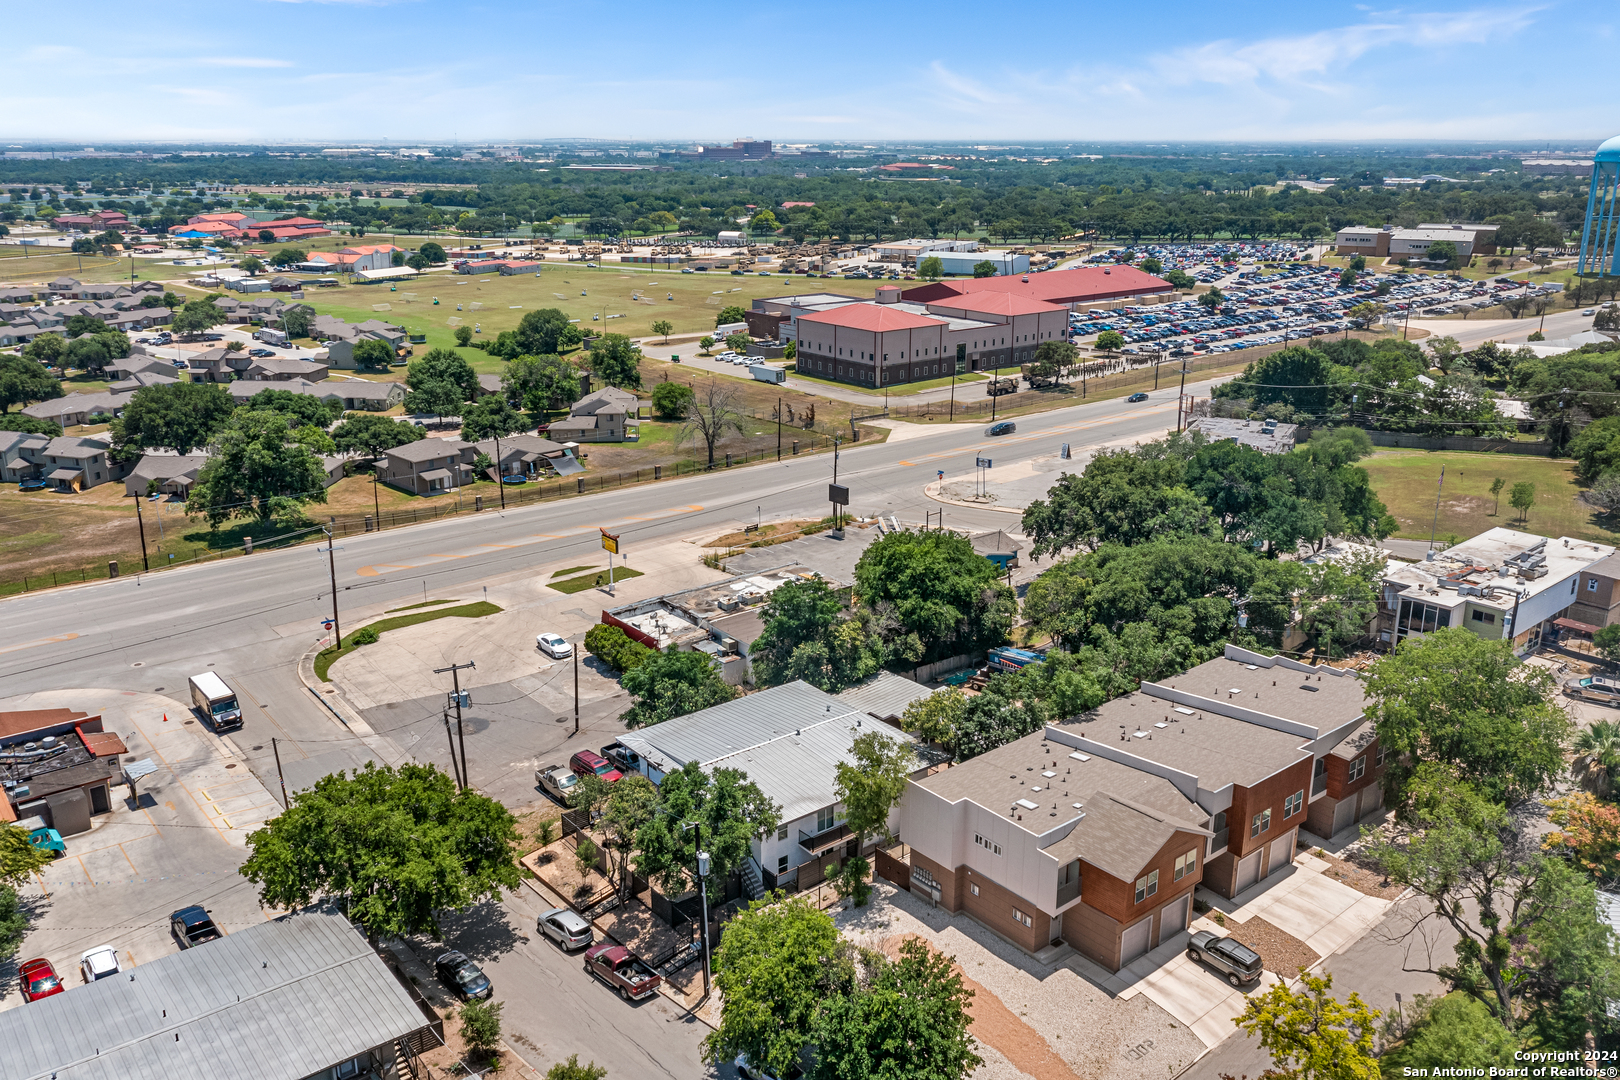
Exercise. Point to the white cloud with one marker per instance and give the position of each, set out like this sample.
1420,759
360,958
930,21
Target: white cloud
242,62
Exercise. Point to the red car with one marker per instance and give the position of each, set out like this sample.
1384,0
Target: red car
588,762
38,980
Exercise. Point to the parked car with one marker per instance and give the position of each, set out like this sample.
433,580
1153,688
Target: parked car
99,963
1138,396
38,979
260,353
1239,963
566,927
748,1069
192,926
554,645
1596,688
1006,427
621,969
587,762
558,783
463,976
624,759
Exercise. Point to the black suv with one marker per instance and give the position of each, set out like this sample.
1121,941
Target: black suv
463,976
191,926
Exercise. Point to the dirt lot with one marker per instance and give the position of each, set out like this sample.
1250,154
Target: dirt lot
1284,953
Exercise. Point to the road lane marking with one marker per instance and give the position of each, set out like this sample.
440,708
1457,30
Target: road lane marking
41,641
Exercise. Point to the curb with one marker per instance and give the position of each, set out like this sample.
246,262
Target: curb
932,491
345,713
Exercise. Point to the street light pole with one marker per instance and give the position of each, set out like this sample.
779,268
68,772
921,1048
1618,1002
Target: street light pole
141,524
500,476
703,892
331,566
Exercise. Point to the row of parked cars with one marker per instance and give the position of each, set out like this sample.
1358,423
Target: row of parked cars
38,978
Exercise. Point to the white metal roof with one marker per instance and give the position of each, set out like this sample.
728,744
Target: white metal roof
212,685
278,1001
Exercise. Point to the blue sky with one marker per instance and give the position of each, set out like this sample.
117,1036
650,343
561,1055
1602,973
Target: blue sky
419,70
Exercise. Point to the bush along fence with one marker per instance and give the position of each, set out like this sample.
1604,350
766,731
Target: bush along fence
467,501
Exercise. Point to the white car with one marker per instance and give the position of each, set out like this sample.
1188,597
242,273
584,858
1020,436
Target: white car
566,928
99,963
554,646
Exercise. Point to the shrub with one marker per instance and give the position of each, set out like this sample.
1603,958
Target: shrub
481,1028
614,648
366,635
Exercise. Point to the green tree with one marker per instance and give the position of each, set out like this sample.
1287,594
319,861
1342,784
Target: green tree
1496,493
257,471
19,859
173,416
671,400
443,366
24,381
196,316
870,787
671,684
910,1019
1181,281
663,327
541,383
1455,1032
931,268
710,416
1597,748
1366,313
615,360
1453,699
301,410
24,422
394,846
937,717
1211,300
87,354
731,810
776,966
573,1070
1150,265
1310,1034
632,802
984,268
463,336
1053,358
1444,251
369,434
1110,341
738,342
1445,352
251,265
13,923
1358,263
806,636
1347,278
298,321
1522,497
491,417
370,354
47,349
418,263
944,597
79,325
540,332
763,222
481,1027
730,314
432,252
289,256
440,397
705,343
615,648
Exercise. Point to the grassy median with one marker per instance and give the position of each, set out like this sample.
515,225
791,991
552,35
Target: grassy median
327,657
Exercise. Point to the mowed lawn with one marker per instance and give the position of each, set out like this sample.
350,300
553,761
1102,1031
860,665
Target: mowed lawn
1406,480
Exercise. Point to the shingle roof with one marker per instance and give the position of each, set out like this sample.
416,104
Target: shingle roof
281,1000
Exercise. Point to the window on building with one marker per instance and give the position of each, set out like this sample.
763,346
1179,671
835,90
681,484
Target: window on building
1357,768
1379,760
1147,886
988,845
1019,916
1261,822
781,833
1292,804
1416,617
973,888
1486,617
826,818
1591,584
1186,864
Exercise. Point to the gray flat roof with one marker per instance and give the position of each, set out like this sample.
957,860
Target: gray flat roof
1335,698
278,1001
884,695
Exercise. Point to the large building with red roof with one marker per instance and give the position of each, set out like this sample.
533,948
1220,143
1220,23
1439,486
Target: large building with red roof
1071,288
888,341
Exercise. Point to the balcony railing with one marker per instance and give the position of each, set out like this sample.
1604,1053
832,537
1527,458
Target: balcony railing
1219,841
1068,892
1318,785
815,844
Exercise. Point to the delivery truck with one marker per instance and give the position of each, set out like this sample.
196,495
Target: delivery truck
215,701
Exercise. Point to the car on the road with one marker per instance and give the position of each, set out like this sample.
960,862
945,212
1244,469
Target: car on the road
261,353
566,927
1006,427
38,979
1138,396
192,926
36,484
1239,963
588,762
554,645
1590,311
99,963
1596,688
558,783
463,976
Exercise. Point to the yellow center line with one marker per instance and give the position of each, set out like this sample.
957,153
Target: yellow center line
41,641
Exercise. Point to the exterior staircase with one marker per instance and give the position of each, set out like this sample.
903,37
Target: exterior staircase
753,886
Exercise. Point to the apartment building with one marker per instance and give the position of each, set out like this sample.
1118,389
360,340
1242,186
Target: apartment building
1095,830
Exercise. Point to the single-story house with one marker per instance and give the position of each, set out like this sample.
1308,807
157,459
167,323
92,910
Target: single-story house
523,455
78,408
283,368
172,473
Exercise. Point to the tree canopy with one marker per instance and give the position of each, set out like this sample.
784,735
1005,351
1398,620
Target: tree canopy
370,434
616,361
944,598
173,416
670,684
258,470
808,636
731,811
24,380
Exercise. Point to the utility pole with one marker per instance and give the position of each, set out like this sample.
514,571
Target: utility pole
276,750
461,733
1181,395
500,476
575,651
778,427
703,891
455,767
331,565
141,524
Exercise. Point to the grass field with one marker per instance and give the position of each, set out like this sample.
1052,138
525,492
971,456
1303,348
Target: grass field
1406,480
593,581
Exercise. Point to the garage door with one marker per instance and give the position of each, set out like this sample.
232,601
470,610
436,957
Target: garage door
1344,815
1173,920
1282,852
1248,871
1134,941
1371,798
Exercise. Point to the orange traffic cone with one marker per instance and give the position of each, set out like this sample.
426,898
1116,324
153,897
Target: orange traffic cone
165,718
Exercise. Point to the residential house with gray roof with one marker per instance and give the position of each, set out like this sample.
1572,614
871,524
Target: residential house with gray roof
429,466
606,415
77,463
20,455
168,473
79,408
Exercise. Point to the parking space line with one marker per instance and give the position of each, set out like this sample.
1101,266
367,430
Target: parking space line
86,870
128,859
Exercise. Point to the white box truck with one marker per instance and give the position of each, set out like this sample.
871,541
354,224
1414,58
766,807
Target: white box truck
215,701
766,373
